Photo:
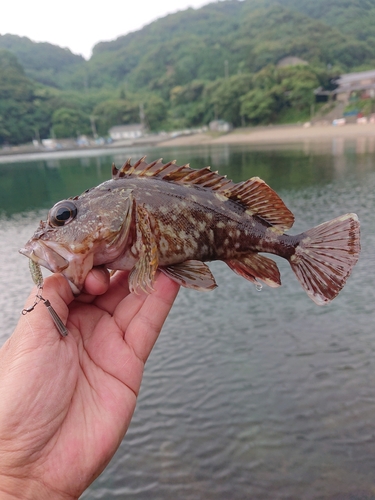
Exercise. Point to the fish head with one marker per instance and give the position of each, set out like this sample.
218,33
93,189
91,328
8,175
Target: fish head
82,232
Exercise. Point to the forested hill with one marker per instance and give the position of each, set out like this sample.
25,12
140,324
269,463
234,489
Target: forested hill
219,61
195,44
351,17
43,62
248,34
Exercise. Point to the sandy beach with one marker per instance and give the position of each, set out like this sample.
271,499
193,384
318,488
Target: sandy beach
277,135
315,136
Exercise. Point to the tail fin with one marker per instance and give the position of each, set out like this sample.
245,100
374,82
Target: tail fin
325,256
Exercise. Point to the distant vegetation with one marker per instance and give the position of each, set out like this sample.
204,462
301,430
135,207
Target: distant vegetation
43,62
186,69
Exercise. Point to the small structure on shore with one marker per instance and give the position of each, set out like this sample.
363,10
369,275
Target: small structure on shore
362,84
130,131
358,85
220,126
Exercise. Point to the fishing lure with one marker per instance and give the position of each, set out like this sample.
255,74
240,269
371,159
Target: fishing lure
37,276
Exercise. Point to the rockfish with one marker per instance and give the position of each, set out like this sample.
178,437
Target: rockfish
152,216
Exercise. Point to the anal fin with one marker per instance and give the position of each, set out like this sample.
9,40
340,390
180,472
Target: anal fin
191,274
254,267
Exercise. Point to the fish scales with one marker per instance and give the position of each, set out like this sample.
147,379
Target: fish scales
192,223
196,218
186,219
152,216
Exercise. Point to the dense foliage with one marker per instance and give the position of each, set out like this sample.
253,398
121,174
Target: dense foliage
21,107
220,61
351,17
42,62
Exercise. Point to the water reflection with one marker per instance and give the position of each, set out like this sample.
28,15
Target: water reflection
41,183
33,185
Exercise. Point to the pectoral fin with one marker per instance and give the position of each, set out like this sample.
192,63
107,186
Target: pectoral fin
142,276
191,274
254,267
120,226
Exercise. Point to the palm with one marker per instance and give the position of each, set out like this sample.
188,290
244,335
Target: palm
89,381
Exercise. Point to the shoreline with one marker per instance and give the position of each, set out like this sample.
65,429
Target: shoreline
273,134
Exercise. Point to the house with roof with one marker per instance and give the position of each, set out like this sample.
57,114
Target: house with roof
347,87
360,85
130,132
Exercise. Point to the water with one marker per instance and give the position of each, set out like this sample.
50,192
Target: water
247,395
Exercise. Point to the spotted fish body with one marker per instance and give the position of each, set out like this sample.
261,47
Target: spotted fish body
162,216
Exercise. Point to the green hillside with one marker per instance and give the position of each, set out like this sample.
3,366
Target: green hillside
351,17
195,44
43,62
188,68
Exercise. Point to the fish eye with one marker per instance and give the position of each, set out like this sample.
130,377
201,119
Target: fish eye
62,213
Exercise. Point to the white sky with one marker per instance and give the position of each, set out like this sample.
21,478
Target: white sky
80,24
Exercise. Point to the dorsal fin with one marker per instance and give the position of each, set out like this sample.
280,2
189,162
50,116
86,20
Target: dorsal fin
261,200
173,173
254,194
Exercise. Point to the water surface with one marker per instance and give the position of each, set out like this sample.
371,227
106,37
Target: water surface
247,395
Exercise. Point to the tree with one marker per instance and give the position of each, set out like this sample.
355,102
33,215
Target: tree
261,105
16,101
225,97
299,83
156,112
115,112
68,122
277,89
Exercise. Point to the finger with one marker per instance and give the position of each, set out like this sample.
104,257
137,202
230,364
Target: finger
96,283
144,316
118,290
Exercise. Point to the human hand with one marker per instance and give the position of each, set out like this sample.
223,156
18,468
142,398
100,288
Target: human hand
66,403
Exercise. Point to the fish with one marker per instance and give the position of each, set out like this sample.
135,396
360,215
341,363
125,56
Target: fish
161,216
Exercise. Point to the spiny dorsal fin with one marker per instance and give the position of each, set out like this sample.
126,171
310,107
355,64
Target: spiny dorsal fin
173,173
261,200
254,194
114,171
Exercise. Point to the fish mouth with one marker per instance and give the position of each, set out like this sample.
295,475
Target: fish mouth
43,255
74,267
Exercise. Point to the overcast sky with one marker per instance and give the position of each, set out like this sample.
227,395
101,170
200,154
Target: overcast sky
80,24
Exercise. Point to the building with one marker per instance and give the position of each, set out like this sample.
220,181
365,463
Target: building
348,87
360,85
131,131
220,126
